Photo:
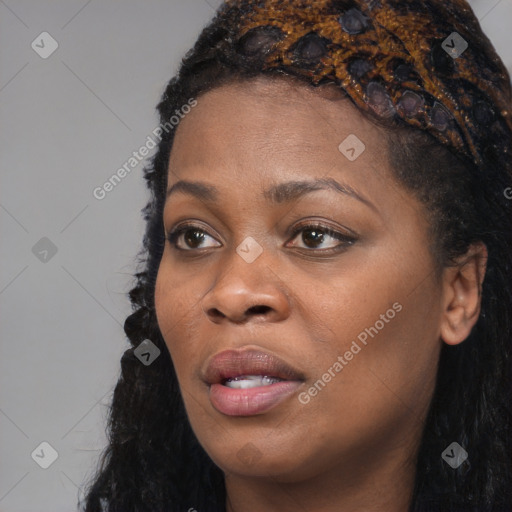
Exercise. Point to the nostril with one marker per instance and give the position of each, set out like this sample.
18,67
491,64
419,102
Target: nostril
214,312
258,309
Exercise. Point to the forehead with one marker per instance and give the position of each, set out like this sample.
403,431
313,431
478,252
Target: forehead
261,117
243,138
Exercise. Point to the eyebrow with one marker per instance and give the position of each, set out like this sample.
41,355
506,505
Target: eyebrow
277,194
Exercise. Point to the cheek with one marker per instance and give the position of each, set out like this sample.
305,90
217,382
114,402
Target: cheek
380,369
168,305
351,300
176,314
181,320
386,332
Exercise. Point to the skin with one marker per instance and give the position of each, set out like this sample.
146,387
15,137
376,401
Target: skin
353,446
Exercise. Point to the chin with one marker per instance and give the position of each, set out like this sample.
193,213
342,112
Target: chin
247,458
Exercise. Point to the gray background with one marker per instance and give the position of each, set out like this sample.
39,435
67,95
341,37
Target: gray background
68,122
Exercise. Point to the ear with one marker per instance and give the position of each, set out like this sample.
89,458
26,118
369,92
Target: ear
462,294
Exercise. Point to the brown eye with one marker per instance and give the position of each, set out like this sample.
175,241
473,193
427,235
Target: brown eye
190,236
314,236
193,237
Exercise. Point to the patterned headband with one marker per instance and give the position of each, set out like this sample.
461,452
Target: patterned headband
426,62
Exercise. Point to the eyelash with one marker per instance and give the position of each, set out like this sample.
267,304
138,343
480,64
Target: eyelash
346,240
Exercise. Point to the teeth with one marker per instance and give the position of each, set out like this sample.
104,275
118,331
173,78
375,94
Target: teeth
251,381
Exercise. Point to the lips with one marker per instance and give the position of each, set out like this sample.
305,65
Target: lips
281,381
233,363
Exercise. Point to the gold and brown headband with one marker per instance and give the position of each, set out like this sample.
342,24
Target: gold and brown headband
425,62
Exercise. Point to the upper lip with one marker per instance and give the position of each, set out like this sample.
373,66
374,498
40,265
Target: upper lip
235,363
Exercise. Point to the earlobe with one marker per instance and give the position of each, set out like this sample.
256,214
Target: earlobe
462,294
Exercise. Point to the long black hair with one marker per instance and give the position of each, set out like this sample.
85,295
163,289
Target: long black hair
153,461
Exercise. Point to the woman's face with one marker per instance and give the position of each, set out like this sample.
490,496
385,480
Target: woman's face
336,280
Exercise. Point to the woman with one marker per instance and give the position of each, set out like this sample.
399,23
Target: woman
326,270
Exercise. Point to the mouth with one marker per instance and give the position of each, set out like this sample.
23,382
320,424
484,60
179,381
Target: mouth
249,382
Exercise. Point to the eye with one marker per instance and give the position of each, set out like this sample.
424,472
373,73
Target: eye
316,235
191,235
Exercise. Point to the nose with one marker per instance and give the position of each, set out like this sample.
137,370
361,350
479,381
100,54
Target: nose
246,292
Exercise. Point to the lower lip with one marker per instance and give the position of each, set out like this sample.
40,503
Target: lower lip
248,402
